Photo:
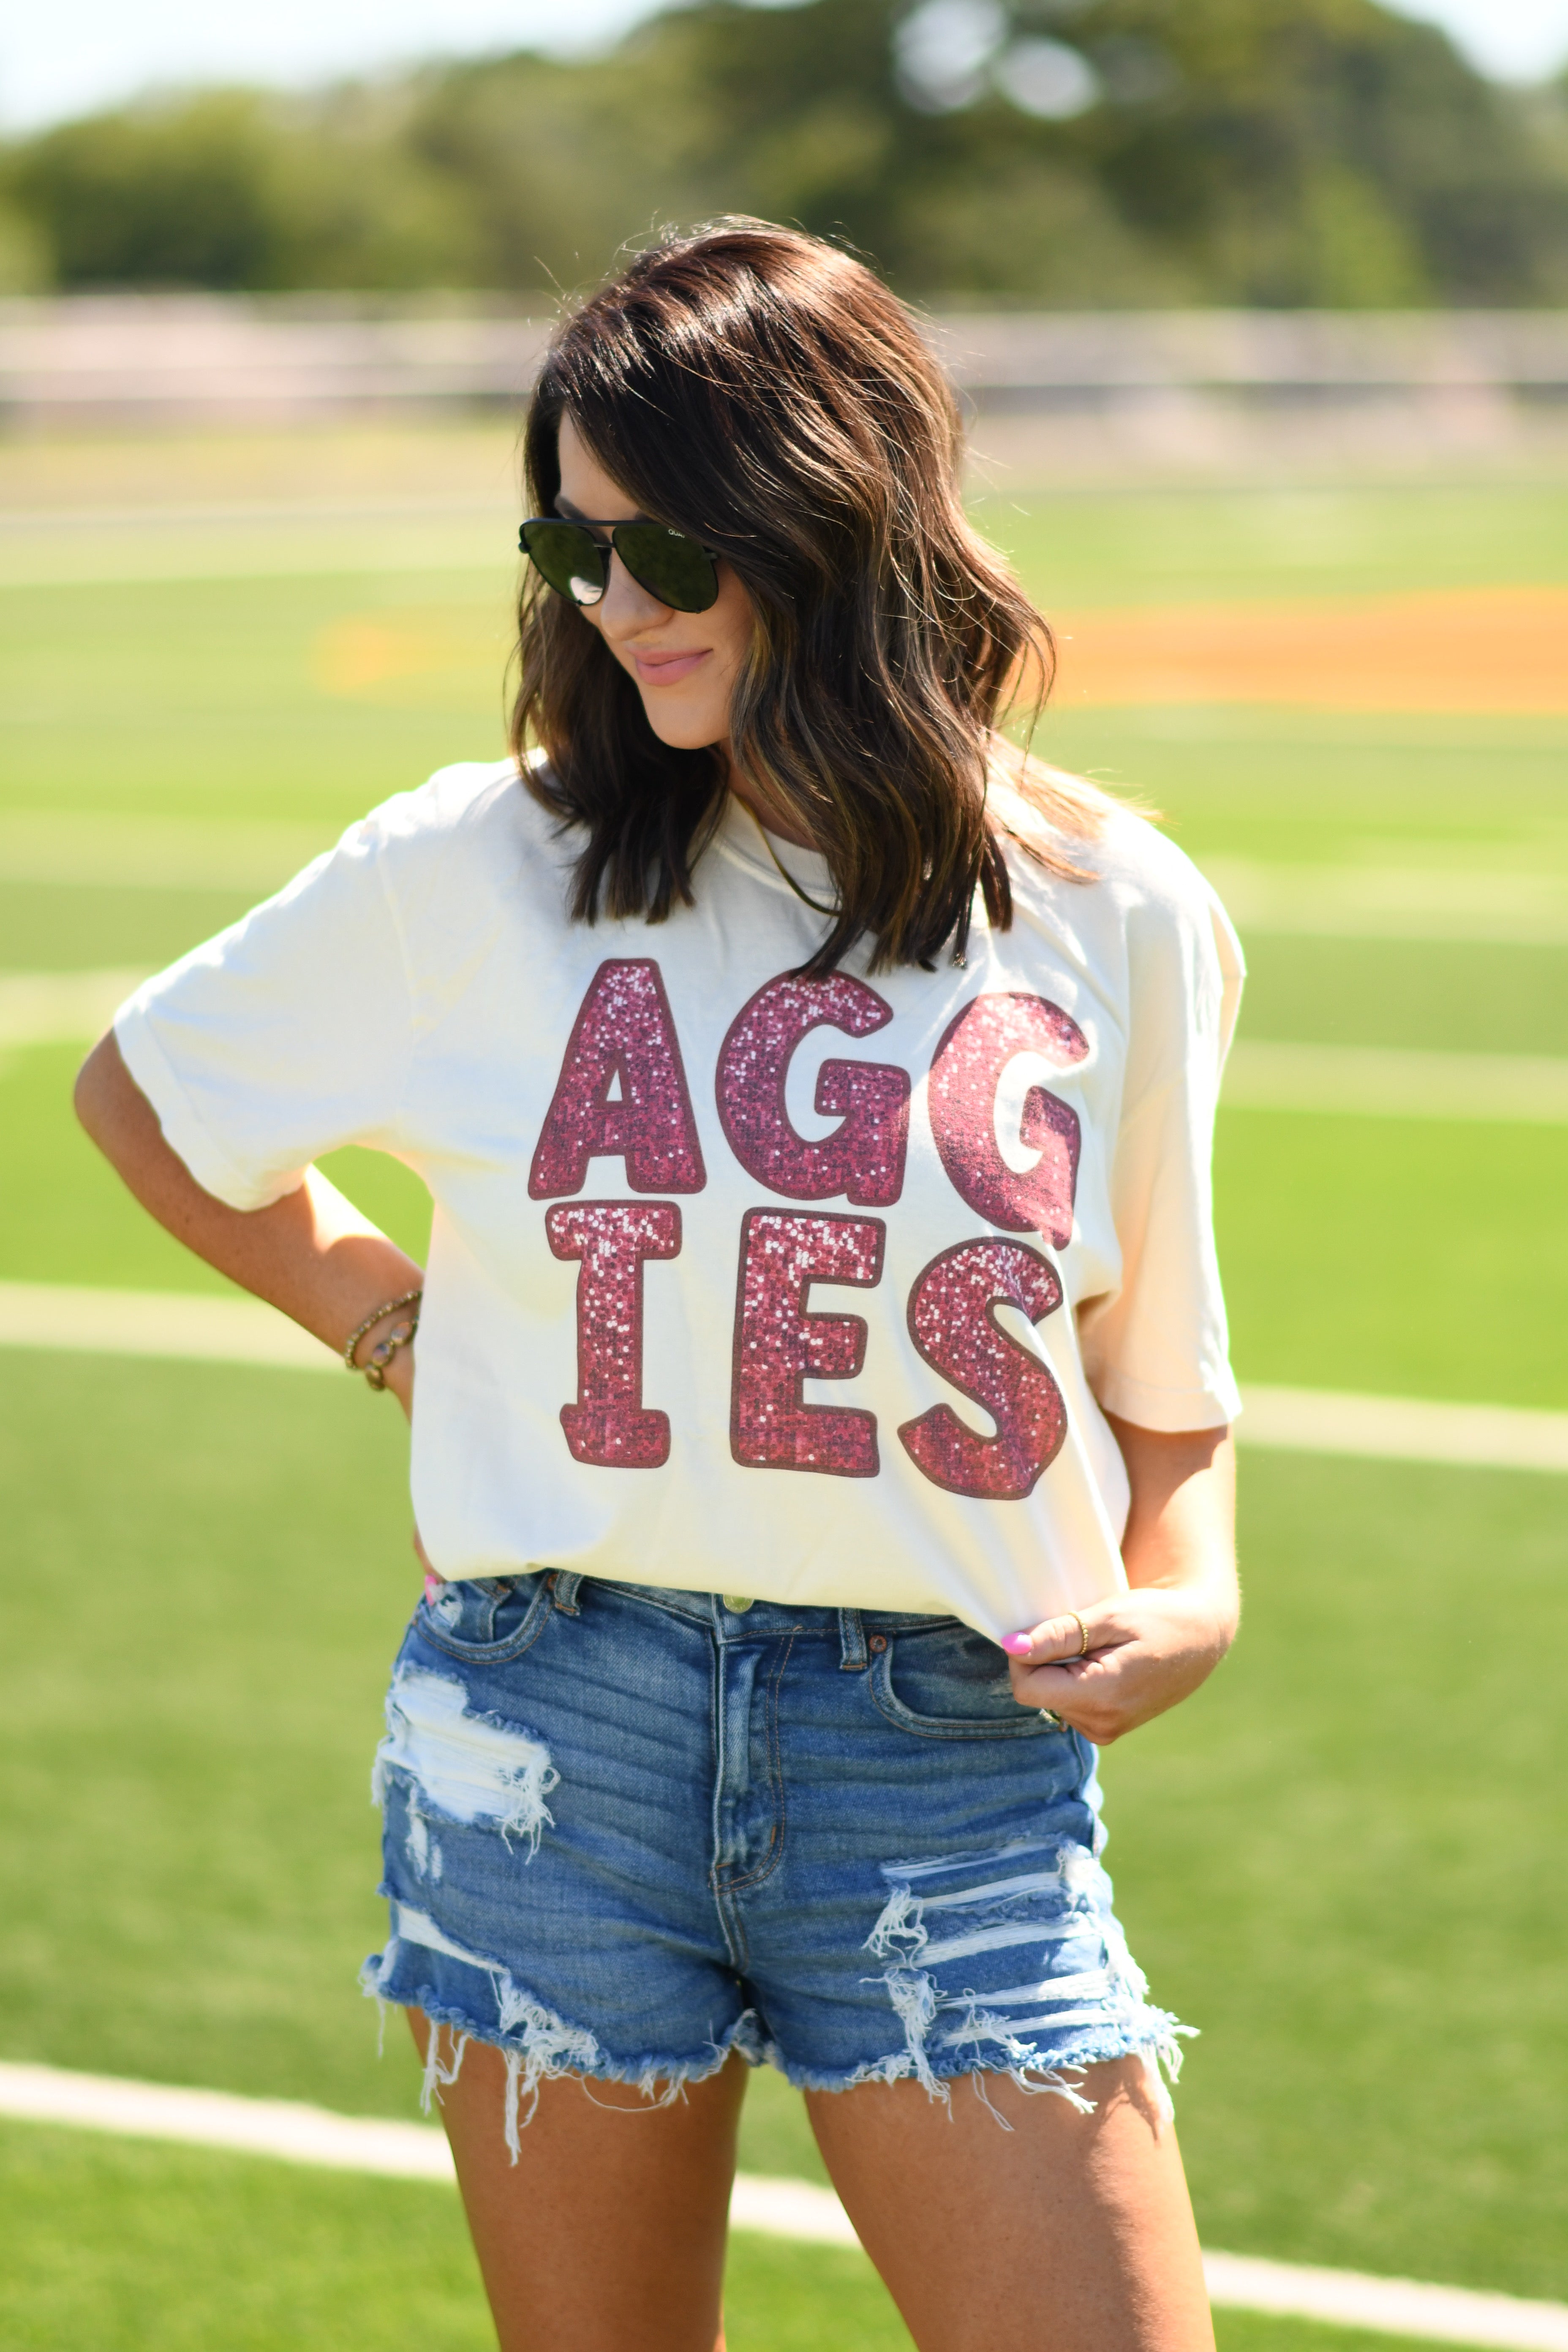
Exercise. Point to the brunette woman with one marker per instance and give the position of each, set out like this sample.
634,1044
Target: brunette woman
823,1396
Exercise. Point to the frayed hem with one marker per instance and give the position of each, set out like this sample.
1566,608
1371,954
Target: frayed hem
1060,2076
550,2050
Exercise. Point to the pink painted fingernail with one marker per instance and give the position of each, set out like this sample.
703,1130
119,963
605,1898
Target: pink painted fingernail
1017,1645
434,1585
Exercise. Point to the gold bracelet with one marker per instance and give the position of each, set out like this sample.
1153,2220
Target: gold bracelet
381,1355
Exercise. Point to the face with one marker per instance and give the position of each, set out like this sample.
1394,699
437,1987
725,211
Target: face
684,663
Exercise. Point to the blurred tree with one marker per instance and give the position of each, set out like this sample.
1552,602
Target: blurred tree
236,190
1063,151
176,194
27,265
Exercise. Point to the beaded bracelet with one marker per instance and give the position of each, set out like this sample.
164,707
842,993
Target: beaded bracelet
381,1355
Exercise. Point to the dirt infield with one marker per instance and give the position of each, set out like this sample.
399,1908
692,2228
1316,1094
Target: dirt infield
1481,649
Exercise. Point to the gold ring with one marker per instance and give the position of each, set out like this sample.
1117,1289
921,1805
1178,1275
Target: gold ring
1082,1633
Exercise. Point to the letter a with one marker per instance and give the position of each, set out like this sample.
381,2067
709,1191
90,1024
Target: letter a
625,1033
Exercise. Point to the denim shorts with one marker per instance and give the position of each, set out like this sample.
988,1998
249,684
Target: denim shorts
629,1830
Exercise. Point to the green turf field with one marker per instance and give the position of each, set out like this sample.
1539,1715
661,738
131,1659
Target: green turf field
190,2251
1339,1861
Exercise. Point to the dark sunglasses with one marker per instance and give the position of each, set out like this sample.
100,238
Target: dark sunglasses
676,570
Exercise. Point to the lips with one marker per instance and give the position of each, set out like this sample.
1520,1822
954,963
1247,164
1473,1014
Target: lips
667,669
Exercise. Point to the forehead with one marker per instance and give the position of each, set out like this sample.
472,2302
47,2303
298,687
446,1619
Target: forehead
585,483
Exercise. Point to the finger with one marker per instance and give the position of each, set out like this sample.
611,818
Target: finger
1086,1695
1073,1635
1051,1686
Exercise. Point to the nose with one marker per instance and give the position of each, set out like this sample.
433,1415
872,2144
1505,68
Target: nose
626,607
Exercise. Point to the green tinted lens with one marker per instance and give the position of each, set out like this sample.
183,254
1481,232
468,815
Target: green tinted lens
569,558
667,563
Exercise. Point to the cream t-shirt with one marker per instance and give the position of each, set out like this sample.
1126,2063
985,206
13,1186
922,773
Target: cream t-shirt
812,1290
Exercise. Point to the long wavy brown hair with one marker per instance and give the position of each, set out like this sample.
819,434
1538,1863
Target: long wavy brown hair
765,393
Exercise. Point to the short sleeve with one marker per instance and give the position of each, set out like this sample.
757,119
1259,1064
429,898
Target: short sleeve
287,1035
1156,1350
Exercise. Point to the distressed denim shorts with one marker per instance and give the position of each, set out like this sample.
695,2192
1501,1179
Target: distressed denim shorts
630,1830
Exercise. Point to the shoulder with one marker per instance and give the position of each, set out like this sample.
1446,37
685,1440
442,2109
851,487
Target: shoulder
472,800
1184,963
1075,852
1149,873
475,823
1132,904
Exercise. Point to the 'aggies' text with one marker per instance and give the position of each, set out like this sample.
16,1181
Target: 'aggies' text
623,1093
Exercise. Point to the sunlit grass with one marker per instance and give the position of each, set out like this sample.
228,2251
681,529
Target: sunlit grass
1332,1860
188,2250
1335,1861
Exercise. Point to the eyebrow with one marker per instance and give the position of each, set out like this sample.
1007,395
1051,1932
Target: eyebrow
565,507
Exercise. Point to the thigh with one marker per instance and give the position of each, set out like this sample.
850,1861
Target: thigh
1067,2232
609,2230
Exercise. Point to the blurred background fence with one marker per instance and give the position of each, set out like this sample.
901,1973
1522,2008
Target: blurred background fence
1207,386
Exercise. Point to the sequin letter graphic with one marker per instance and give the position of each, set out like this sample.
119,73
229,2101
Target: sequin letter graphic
778,1344
864,1157
624,1033
965,1075
609,1423
953,1323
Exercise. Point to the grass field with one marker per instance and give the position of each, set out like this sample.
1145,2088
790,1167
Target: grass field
1336,1860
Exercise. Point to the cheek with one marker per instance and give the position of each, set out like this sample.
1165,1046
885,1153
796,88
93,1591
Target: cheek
738,625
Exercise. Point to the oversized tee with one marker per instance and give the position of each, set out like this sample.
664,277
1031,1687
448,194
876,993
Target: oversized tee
812,1290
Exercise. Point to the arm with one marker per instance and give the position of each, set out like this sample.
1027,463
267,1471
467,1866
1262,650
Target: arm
1152,1645
311,1254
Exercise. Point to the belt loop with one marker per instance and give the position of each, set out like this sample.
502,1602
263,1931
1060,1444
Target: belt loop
852,1654
564,1583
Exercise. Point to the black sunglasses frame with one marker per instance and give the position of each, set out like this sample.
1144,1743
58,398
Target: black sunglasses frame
602,552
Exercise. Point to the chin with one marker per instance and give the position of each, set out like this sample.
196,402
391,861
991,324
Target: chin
684,734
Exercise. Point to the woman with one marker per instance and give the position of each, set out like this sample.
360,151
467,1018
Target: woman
816,1100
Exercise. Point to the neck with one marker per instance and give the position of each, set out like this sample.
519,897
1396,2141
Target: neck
784,828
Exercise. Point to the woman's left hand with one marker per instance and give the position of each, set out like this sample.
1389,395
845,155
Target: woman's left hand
1151,1646
1147,1650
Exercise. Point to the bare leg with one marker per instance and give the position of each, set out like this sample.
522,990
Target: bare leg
1070,2233
609,2232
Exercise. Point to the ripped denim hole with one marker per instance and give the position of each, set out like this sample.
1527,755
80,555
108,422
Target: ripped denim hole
458,1767
926,1929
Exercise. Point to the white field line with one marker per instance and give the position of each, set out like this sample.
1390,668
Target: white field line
61,1008
1370,902
462,538
298,2133
1391,1082
1403,1429
1387,2306
150,853
190,1328
47,1008
1393,902
156,1323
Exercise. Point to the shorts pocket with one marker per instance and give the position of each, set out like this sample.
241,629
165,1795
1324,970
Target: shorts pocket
488,1619
948,1682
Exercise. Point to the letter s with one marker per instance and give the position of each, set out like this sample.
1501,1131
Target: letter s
953,1323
